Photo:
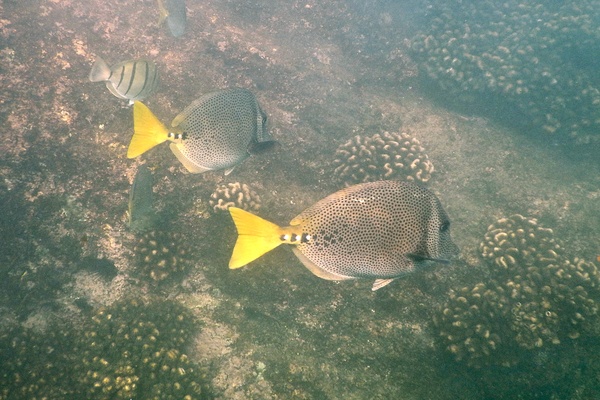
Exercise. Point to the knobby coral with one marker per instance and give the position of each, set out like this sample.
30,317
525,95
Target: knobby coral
382,156
535,297
136,350
234,195
161,255
532,55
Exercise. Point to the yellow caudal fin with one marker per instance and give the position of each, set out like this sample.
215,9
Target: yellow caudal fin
257,236
148,131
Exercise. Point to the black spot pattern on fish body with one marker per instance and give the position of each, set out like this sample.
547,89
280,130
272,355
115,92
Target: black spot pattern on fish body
220,127
370,230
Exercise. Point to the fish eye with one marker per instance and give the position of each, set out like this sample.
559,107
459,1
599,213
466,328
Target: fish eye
445,226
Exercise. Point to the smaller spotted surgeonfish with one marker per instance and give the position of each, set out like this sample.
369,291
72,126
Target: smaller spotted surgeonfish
128,80
380,230
173,12
217,131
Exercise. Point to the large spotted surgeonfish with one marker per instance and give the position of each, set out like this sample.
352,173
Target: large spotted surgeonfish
380,230
217,131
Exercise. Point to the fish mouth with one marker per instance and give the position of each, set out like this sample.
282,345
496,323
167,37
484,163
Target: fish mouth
447,249
453,253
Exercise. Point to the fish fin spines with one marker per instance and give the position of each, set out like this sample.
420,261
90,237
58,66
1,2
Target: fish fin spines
256,236
148,131
379,283
100,71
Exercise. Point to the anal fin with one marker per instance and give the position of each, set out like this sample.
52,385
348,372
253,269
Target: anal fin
318,271
187,163
379,283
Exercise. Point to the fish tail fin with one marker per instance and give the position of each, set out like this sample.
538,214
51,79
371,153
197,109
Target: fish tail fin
163,13
148,131
256,236
100,71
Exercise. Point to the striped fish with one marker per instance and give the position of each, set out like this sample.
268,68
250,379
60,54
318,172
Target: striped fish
129,80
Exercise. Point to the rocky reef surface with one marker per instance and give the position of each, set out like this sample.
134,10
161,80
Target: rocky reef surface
272,330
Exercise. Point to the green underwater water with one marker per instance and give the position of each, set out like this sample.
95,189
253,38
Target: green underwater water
84,314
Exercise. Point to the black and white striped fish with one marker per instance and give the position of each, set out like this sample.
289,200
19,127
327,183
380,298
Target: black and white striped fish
129,80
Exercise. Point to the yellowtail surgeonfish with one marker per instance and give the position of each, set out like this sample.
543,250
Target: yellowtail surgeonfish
380,230
217,131
128,80
173,11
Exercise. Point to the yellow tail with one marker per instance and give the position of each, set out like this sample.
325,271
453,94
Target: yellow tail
148,131
256,236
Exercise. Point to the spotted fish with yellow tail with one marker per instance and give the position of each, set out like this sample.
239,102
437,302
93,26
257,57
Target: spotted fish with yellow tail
217,131
380,230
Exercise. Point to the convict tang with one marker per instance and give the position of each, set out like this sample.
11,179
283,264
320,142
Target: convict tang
128,80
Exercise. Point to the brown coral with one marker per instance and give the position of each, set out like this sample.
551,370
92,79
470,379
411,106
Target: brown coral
234,195
519,240
534,298
382,156
161,255
477,51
